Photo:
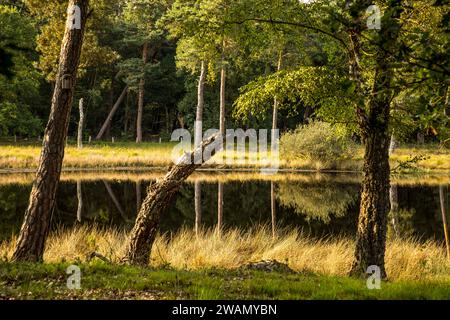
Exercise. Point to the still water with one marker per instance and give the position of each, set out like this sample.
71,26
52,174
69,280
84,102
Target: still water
325,207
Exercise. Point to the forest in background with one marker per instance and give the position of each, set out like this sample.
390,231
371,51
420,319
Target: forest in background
148,54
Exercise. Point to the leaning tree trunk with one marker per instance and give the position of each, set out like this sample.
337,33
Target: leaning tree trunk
111,114
444,219
141,95
35,228
159,196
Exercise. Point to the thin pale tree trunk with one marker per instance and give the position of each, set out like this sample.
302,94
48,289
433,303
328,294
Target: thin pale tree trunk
222,132
112,113
275,101
141,96
38,216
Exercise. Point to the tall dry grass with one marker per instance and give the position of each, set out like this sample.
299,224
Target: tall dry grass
406,259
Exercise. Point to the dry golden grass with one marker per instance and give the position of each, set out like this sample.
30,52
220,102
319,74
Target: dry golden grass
406,259
132,155
214,176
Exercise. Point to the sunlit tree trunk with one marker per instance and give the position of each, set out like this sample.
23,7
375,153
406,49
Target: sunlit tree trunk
222,130
141,95
35,228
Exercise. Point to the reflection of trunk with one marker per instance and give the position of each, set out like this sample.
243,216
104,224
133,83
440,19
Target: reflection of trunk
115,200
35,228
141,96
393,199
444,219
198,206
80,124
273,210
138,195
159,196
111,114
220,207
80,201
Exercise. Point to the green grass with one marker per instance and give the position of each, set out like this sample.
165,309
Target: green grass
104,281
100,155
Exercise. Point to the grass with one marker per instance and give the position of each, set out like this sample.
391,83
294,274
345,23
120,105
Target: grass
132,155
406,259
108,281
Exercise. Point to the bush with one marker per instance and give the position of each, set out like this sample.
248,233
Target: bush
317,141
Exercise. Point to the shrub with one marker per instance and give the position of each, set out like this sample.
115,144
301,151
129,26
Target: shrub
317,141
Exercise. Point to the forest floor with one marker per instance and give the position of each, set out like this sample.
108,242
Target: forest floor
100,280
101,155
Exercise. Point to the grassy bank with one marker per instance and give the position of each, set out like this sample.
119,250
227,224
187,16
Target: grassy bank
107,281
109,155
406,259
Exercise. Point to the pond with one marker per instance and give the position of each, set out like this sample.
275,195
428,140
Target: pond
323,205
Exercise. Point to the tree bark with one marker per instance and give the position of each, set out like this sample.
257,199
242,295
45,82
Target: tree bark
80,124
373,119
35,228
141,95
159,196
112,113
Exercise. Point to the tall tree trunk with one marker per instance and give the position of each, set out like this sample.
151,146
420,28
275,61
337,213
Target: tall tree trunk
198,140
80,124
111,113
80,201
35,228
393,191
444,219
222,132
198,206
141,95
275,101
373,119
159,196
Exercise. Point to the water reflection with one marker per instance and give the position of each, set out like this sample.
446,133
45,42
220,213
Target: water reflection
319,207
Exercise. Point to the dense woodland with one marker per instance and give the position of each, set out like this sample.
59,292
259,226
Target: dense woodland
154,49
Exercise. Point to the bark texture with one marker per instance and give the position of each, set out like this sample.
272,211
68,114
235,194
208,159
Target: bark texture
35,228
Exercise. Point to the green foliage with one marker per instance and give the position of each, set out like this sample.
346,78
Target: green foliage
317,141
19,90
